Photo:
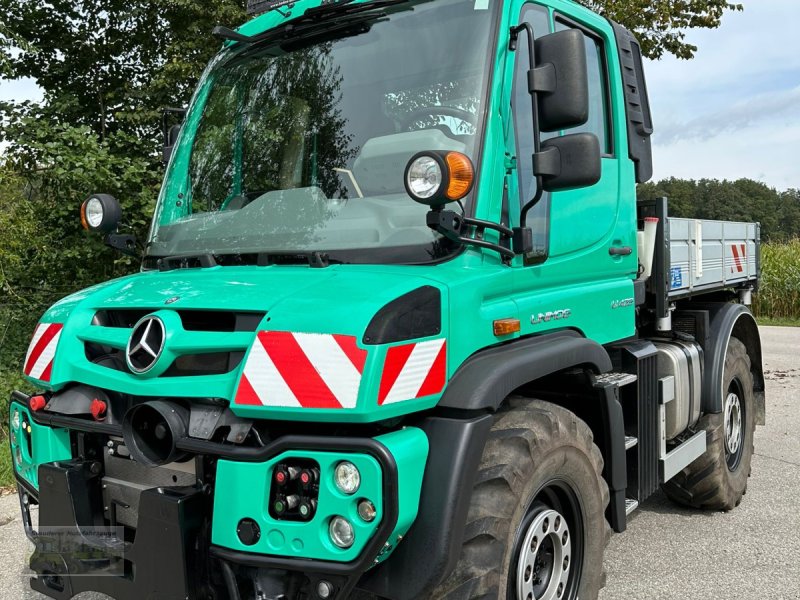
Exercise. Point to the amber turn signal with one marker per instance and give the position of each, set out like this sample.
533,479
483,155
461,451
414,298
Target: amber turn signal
437,177
462,175
503,327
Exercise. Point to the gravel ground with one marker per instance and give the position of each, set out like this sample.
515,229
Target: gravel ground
667,552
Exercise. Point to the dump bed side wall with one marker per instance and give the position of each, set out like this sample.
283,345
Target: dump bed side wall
711,255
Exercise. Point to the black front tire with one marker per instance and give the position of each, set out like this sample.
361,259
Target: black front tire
539,457
718,479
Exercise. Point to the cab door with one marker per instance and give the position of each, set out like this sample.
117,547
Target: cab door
584,257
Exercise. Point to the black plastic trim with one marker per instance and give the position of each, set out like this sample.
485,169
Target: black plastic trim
615,469
432,546
488,377
414,315
637,103
728,320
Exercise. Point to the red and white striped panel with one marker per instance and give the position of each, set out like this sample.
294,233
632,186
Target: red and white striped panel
42,351
308,370
739,257
413,371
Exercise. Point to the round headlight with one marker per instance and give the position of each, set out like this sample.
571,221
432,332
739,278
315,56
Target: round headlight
15,421
424,177
347,478
100,212
341,532
437,177
94,213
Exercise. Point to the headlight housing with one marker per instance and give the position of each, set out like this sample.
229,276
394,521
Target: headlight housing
341,532
347,478
437,177
100,212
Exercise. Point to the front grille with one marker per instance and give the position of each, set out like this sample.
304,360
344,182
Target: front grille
192,320
214,363
187,365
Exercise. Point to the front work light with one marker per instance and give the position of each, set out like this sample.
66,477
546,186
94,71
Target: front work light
437,177
341,532
100,212
347,478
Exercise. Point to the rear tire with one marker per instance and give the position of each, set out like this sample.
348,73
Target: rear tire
718,479
537,512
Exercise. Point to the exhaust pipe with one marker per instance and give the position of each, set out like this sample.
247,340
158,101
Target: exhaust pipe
151,431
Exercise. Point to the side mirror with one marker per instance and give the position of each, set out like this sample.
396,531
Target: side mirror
569,161
170,141
561,80
171,132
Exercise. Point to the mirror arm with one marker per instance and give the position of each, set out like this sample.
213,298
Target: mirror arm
451,225
523,236
124,243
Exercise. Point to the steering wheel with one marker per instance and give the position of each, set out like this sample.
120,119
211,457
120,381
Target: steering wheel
445,111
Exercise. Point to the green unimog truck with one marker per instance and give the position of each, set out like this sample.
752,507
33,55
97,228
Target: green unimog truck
401,331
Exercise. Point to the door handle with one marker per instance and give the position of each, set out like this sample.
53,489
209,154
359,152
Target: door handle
620,251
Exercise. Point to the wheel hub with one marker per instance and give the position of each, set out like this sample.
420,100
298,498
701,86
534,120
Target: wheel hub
545,558
733,424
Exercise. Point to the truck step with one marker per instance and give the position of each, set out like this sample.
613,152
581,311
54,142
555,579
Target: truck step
615,379
630,505
630,441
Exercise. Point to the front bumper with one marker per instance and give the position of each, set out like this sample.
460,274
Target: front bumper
184,543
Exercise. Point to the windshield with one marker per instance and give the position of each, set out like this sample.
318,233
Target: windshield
301,147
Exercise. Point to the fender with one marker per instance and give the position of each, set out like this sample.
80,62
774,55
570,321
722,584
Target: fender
728,320
432,546
489,376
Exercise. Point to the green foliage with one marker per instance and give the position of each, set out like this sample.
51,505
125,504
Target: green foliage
661,25
107,68
779,293
741,200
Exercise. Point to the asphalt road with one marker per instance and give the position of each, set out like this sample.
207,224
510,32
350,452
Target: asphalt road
667,552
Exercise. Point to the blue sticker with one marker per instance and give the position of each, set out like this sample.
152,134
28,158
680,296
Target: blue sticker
675,278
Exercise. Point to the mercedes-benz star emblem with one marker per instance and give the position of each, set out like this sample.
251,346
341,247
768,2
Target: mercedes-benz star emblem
145,344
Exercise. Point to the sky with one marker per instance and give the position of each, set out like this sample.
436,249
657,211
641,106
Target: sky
733,111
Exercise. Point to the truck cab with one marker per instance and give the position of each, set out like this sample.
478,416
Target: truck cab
402,329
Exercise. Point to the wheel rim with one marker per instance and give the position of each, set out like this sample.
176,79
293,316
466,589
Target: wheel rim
545,558
734,430
549,547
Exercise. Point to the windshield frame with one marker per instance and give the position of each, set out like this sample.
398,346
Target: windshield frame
176,179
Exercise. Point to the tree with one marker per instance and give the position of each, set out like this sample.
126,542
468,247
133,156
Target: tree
740,200
661,24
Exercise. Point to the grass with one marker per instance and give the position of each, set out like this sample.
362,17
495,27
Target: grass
8,381
779,322
778,298
6,470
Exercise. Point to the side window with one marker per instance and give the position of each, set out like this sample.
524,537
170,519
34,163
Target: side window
598,122
523,127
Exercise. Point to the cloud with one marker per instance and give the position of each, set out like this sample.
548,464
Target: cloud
732,111
741,115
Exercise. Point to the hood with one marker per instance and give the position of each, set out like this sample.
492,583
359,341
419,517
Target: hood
276,342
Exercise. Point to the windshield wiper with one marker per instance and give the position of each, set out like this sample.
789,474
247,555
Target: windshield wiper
186,261
314,259
339,14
